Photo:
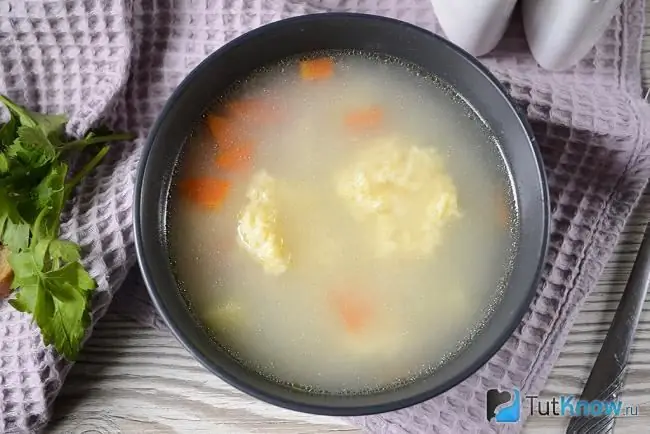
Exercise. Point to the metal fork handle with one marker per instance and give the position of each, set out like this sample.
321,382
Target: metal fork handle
606,379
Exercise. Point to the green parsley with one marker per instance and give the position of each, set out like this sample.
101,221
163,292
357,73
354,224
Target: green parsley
49,281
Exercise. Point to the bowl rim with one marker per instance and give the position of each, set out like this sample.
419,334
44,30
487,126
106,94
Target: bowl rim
297,405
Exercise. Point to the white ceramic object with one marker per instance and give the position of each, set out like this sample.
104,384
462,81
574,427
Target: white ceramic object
561,32
474,25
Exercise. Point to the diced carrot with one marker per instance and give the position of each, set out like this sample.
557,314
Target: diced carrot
236,157
224,131
364,119
316,69
251,109
355,311
205,191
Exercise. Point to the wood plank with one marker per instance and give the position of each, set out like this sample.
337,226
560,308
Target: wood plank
133,379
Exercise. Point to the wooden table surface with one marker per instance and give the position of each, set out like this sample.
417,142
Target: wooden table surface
132,379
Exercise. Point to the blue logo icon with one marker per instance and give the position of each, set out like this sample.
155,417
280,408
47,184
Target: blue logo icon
503,407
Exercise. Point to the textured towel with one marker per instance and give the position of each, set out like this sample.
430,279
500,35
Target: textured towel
118,60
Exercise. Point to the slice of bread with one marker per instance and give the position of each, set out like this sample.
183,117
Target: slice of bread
6,274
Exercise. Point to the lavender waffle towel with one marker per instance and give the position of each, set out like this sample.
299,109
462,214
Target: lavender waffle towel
118,60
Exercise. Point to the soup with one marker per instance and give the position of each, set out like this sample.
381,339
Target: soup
341,223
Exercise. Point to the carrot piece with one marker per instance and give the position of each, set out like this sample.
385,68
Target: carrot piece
205,191
316,69
354,310
253,110
237,157
250,109
223,130
364,119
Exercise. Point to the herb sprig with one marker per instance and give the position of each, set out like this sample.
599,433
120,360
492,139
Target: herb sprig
49,280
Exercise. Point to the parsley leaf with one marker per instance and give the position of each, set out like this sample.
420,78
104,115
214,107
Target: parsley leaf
4,164
27,266
50,125
57,298
49,280
8,132
14,231
71,287
64,250
33,147
15,235
49,196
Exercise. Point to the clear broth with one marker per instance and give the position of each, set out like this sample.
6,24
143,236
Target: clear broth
425,308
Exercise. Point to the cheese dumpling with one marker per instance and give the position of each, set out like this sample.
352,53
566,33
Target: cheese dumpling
258,230
403,192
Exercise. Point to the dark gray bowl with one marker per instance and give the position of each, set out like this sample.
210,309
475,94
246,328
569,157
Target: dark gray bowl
339,31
